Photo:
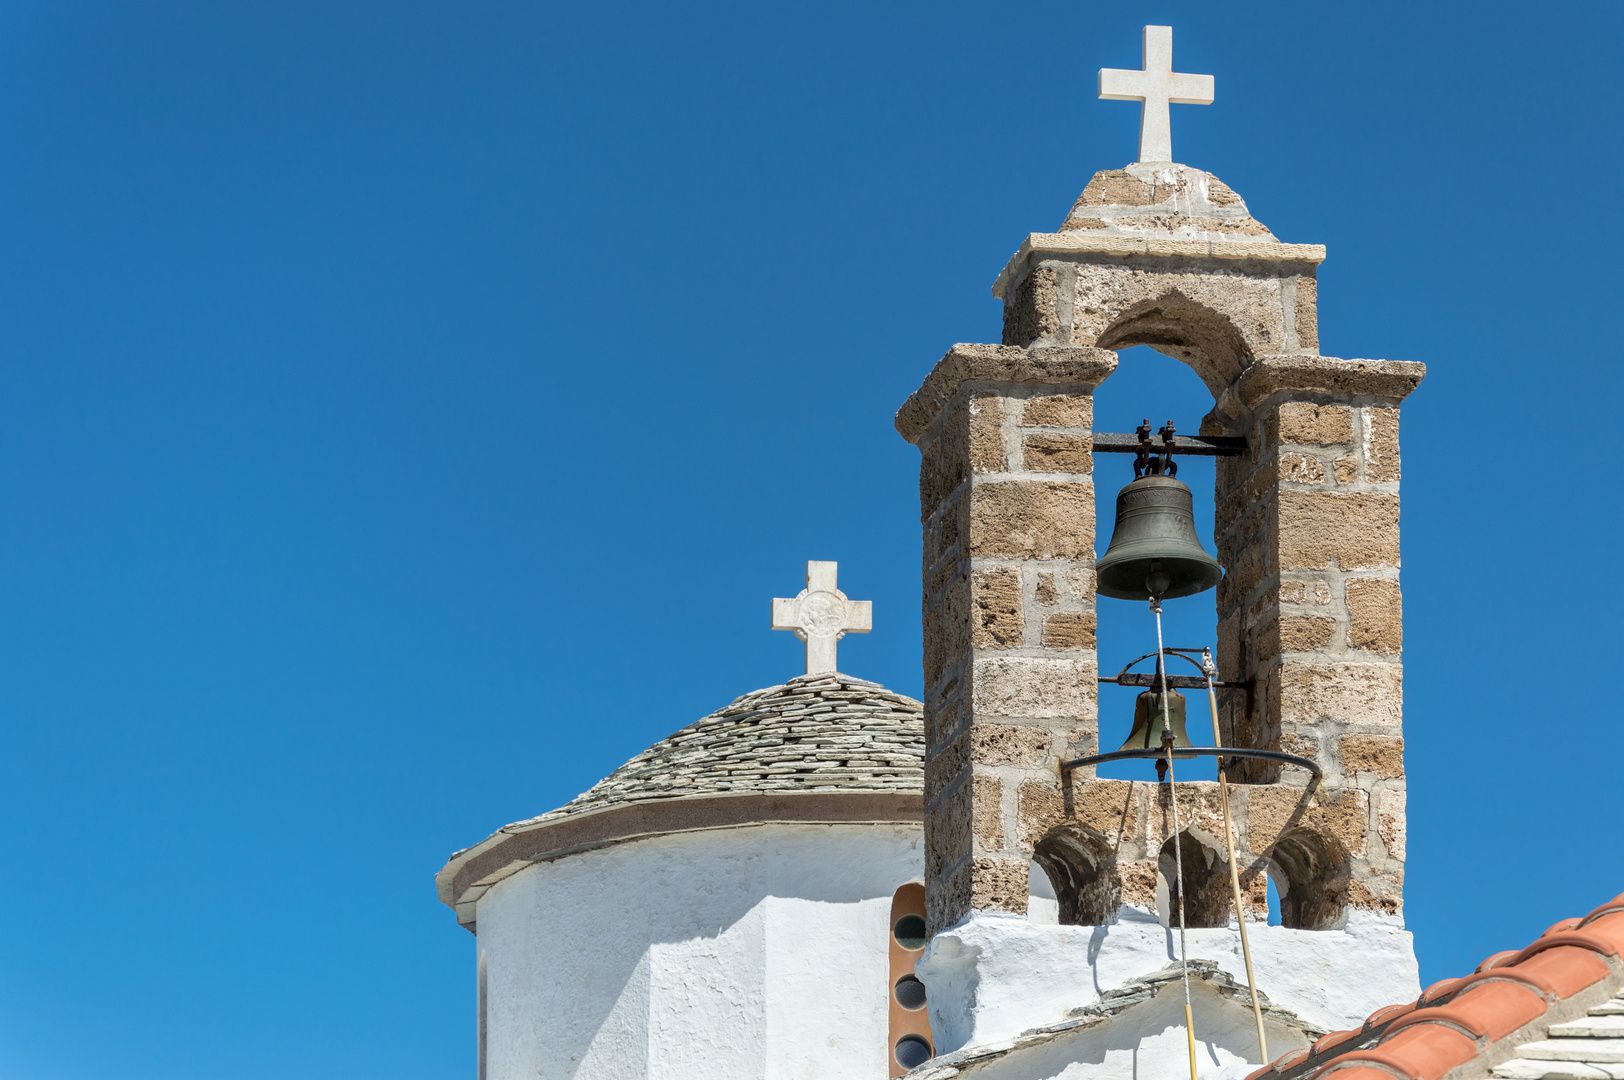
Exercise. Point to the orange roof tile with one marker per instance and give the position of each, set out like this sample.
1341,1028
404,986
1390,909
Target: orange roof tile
1456,1020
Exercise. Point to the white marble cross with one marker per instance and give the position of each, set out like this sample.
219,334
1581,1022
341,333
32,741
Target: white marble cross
821,616
1158,86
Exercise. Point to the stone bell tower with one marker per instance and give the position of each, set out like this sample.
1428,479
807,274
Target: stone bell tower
1308,620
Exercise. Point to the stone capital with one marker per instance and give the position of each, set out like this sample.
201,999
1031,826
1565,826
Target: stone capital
1075,368
1310,374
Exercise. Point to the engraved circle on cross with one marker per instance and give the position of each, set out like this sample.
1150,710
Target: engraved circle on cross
823,614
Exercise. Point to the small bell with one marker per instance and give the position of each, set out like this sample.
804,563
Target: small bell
1147,723
1154,553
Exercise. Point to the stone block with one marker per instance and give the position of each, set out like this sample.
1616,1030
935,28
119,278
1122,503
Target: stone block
1390,823
944,722
947,898
1300,469
1036,687
1112,808
1009,744
1052,452
946,766
999,884
1308,313
1059,410
1069,630
987,815
995,608
947,831
1367,695
1295,633
1379,754
1315,529
1032,520
1138,884
1308,374
1381,446
1081,580
1031,313
1375,615
1042,807
1046,592
984,422
1346,470
1306,424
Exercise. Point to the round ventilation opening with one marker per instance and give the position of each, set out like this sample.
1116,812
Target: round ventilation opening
912,1051
910,932
910,992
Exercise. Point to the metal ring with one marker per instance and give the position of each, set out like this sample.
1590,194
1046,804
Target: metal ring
1197,751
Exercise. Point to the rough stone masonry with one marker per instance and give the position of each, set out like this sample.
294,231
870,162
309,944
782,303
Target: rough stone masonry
1309,613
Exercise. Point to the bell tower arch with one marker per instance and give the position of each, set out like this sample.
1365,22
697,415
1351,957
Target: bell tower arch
1308,615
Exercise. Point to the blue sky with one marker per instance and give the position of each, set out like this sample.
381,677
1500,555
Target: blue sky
409,411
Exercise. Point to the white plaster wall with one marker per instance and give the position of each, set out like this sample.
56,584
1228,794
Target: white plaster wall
745,953
994,976
1147,1042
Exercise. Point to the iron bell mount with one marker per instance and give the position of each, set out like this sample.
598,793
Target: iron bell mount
1154,552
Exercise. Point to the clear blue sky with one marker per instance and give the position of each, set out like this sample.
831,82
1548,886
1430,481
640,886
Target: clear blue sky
409,411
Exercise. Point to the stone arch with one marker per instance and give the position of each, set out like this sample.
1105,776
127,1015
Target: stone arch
1311,873
1202,338
1206,881
1082,869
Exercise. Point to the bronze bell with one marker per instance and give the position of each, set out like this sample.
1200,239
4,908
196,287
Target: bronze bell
1147,722
1154,553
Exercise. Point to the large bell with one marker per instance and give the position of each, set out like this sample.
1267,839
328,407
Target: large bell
1147,722
1154,553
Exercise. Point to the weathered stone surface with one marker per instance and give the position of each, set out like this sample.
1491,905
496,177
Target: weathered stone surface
1370,695
1346,470
1379,754
1076,369
1059,410
1053,452
1112,808
1009,744
988,812
1045,592
1301,469
1301,633
1269,375
1338,816
1042,808
984,419
1031,312
947,830
1081,580
1381,446
1376,615
1315,529
999,884
1038,687
996,608
1307,424
1308,313
1390,822
1069,630
1032,520
945,767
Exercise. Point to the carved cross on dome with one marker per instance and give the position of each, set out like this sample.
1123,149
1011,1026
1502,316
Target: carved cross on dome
821,616
1158,86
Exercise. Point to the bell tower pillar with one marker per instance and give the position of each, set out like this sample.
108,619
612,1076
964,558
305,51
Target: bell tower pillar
1006,498
1310,615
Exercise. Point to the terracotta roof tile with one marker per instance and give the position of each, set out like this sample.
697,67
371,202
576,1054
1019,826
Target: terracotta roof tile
1423,1052
1456,1020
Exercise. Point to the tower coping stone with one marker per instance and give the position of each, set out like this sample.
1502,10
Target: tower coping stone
1068,365
1067,243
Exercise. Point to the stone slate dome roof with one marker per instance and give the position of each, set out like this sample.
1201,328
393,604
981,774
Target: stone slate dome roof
823,749
828,732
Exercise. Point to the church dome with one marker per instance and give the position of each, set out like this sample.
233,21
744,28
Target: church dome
820,748
827,732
